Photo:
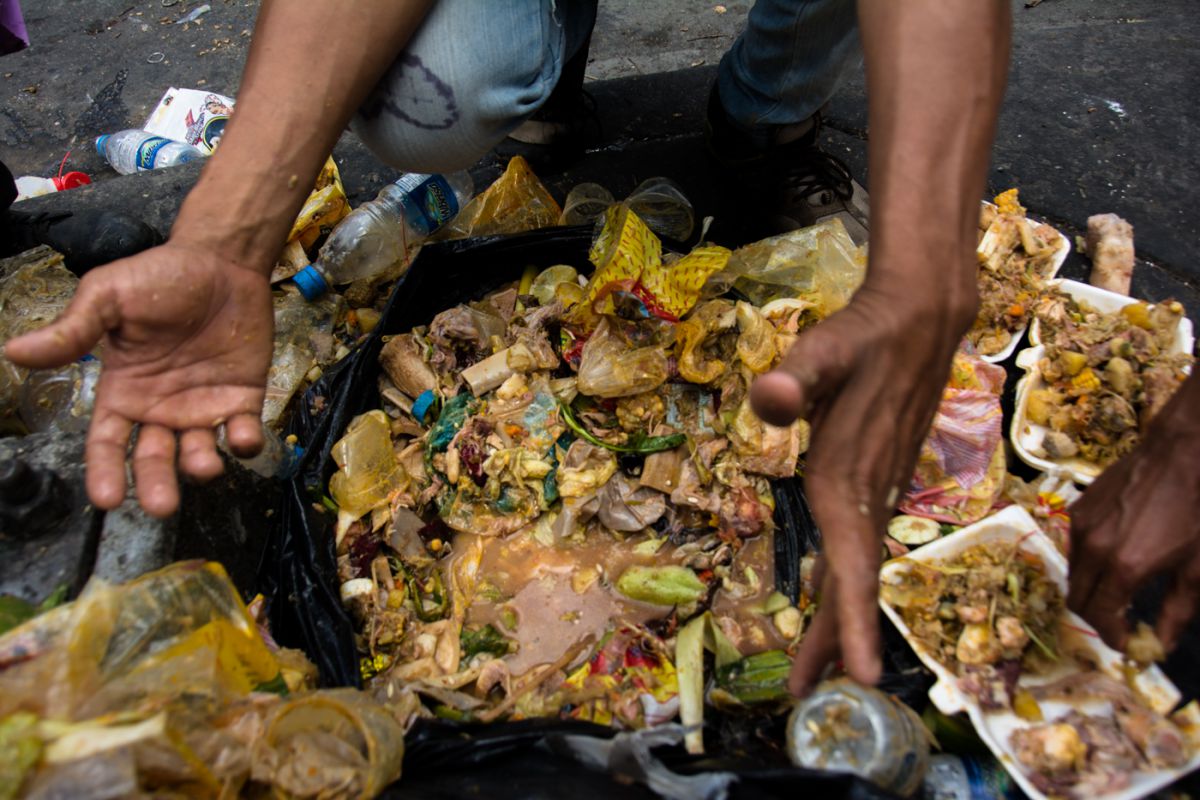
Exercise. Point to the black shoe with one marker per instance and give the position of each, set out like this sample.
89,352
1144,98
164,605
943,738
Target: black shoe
85,238
775,188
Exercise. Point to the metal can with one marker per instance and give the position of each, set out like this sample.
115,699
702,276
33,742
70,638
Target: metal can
846,727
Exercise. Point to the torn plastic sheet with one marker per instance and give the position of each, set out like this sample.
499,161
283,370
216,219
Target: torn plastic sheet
628,756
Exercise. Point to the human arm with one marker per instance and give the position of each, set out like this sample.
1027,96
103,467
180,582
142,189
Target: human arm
1139,519
186,327
869,378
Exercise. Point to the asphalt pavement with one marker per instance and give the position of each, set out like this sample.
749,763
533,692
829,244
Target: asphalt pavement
1100,113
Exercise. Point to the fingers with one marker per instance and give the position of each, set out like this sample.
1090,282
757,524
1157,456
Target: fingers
813,367
198,456
154,470
69,337
107,442
245,435
818,648
1180,605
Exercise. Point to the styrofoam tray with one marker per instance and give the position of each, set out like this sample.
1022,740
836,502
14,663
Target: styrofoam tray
1059,257
1014,524
1027,437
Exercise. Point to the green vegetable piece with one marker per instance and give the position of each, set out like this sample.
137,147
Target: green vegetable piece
662,586
483,640
639,442
757,679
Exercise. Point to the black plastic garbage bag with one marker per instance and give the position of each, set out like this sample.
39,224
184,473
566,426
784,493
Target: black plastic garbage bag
513,759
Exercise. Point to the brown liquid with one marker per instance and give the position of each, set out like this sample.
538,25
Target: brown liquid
563,594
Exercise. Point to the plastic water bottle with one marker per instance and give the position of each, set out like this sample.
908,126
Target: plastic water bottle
137,151
377,234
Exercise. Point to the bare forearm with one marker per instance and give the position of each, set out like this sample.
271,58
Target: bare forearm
936,71
311,64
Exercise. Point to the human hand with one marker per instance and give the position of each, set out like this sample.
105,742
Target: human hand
1139,519
186,346
868,379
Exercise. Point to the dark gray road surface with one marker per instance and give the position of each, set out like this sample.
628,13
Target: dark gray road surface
1100,114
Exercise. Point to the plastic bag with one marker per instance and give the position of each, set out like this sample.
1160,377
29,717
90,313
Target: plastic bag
517,202
610,367
367,468
335,743
323,210
820,263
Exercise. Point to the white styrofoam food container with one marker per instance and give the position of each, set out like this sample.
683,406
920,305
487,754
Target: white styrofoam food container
1059,257
1027,437
1014,524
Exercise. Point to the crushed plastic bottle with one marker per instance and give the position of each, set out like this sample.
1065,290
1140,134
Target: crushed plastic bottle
59,399
303,340
663,206
845,727
137,151
377,234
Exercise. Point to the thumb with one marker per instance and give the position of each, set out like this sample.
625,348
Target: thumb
69,337
817,363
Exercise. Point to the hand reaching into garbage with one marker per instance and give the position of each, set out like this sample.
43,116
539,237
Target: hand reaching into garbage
868,379
186,339
1141,518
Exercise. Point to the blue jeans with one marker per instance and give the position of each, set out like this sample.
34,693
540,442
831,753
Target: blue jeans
470,75
788,62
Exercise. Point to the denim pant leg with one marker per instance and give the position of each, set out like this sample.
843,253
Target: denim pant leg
470,75
789,61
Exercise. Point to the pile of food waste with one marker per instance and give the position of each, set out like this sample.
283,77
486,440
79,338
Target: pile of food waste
1106,375
1016,258
564,473
1077,719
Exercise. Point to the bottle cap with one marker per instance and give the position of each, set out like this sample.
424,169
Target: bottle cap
100,144
71,180
421,406
311,282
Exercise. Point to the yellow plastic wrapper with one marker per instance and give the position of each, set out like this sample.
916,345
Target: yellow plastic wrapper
628,257
515,203
325,207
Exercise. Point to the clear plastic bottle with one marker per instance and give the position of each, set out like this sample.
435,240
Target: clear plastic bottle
60,399
377,234
664,208
137,151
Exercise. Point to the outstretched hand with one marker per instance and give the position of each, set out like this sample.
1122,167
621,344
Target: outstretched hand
868,379
186,345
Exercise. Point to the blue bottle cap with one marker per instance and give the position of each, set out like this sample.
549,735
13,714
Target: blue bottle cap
100,144
422,404
310,282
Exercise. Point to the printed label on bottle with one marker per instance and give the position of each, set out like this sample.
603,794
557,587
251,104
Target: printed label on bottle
148,150
429,202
